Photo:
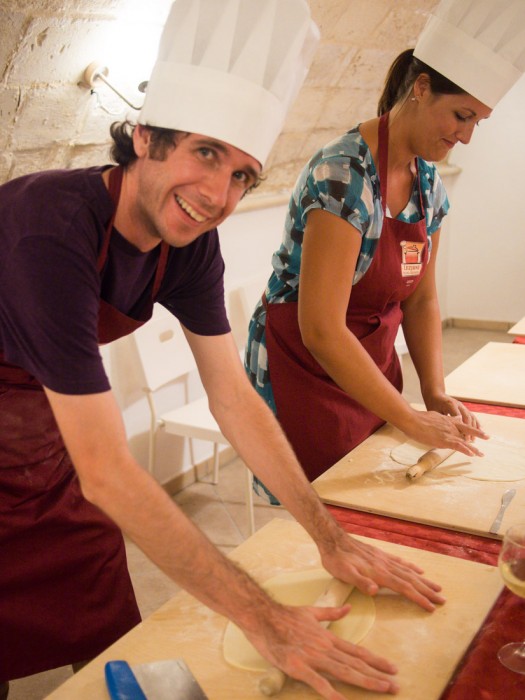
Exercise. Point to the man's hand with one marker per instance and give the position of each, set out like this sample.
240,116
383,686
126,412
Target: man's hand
369,568
292,639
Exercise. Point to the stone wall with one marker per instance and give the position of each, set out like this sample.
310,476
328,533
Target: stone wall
48,121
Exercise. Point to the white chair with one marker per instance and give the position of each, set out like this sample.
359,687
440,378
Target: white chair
165,357
400,343
242,300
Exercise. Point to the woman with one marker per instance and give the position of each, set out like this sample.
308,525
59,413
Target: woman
357,260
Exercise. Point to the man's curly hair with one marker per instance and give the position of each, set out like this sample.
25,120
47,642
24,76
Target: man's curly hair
161,142
122,150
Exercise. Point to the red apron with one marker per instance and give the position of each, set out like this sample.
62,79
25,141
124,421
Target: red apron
65,589
320,420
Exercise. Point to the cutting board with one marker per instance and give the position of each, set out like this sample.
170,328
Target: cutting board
518,328
494,374
367,479
426,647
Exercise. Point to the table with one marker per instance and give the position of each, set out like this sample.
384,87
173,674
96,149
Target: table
479,675
419,643
518,328
495,374
368,479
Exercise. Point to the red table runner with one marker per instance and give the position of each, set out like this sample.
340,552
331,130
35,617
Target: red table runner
479,675
510,411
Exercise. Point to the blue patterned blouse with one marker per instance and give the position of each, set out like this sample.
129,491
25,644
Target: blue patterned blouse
341,178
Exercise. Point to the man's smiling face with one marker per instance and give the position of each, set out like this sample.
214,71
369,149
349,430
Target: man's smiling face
192,190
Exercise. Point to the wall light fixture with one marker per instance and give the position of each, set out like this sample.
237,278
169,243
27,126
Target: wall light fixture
97,71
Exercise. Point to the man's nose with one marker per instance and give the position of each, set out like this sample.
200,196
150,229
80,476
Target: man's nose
216,188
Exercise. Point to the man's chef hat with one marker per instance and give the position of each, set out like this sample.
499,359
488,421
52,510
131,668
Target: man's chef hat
230,69
477,44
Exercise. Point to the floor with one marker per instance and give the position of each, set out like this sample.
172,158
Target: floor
220,511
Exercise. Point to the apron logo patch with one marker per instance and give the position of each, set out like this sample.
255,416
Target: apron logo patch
411,258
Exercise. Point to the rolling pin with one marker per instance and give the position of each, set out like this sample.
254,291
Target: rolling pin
335,595
427,462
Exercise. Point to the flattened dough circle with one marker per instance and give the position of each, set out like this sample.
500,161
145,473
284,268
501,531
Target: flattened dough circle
300,588
503,460
408,452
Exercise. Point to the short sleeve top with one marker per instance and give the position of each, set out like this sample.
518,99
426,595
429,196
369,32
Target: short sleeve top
341,178
51,229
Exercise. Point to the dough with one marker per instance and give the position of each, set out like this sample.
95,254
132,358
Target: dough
503,460
408,452
300,588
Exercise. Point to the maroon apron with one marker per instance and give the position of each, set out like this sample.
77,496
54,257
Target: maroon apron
65,590
320,420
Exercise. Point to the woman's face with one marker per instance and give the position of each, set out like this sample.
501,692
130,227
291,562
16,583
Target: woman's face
443,120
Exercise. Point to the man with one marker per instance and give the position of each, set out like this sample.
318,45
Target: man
87,253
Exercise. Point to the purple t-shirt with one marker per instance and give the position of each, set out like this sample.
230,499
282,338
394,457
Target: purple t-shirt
51,229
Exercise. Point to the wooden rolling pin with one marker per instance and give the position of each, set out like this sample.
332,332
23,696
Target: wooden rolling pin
335,595
427,462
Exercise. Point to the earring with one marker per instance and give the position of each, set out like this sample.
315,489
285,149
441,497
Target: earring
413,99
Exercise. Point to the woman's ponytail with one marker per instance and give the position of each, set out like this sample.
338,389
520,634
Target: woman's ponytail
402,75
397,81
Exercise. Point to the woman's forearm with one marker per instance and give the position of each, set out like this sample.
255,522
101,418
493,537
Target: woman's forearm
350,366
422,330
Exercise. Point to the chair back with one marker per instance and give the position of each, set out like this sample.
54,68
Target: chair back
242,300
163,351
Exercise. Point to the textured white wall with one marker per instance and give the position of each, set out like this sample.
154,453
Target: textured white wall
47,121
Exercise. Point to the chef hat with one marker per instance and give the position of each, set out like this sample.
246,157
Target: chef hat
477,44
230,69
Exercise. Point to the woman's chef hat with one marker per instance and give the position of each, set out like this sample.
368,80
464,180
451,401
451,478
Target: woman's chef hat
477,44
230,69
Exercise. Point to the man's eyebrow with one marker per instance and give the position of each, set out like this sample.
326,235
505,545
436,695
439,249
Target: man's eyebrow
224,150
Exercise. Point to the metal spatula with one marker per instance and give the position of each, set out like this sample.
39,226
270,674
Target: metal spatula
160,680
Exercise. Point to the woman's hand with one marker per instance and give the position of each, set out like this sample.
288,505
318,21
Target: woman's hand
292,639
449,406
454,432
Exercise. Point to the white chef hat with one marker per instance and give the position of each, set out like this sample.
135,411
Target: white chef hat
477,44
230,69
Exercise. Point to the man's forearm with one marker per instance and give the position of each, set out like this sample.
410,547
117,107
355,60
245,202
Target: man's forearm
259,440
147,515
112,480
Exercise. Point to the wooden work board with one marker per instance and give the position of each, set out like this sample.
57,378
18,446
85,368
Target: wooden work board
494,374
518,328
369,480
425,646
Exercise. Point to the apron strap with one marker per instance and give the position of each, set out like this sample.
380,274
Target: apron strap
382,137
383,164
115,186
161,269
